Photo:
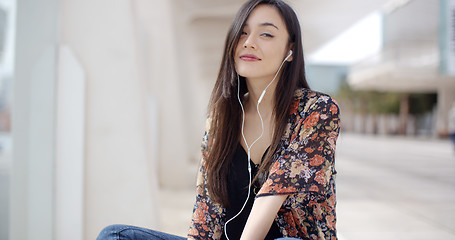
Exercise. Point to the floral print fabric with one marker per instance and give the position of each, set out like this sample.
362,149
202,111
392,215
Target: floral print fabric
303,169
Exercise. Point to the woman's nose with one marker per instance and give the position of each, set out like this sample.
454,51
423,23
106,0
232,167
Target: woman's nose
250,42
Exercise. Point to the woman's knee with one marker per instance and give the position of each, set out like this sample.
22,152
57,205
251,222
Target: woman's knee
287,238
111,232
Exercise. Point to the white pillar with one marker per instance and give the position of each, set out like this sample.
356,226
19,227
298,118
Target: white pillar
33,121
120,181
70,148
161,64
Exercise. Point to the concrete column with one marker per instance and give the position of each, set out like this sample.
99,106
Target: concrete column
446,97
404,113
120,180
33,128
70,152
160,60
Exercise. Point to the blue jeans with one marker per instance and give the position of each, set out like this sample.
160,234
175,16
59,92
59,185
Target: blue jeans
125,232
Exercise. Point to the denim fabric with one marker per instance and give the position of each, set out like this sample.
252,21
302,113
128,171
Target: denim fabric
287,238
125,232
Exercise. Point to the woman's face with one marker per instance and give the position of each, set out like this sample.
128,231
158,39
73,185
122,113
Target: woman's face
263,44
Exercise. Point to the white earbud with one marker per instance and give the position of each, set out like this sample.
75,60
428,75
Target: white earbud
285,59
289,55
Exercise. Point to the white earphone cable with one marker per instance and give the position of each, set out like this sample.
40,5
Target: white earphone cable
244,138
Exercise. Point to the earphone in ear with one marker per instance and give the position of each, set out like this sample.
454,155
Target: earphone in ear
289,55
285,59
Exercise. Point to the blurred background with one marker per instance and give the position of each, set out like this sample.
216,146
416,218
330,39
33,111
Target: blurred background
103,106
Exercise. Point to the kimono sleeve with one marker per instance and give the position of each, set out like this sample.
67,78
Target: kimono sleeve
208,217
306,165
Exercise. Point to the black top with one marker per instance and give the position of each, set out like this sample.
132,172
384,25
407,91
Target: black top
238,181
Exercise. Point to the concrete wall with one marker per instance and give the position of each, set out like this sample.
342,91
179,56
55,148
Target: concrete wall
141,104
160,67
120,174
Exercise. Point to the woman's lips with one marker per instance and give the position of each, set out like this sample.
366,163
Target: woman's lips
249,57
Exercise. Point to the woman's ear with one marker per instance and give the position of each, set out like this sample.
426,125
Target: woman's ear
289,56
291,52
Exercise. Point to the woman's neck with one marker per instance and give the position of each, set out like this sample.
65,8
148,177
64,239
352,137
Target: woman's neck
255,89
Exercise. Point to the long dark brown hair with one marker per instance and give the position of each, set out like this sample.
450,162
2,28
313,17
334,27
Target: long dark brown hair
224,108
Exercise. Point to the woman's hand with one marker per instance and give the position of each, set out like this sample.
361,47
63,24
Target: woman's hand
262,216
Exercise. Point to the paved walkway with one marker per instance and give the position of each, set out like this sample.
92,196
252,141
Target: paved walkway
395,188
387,188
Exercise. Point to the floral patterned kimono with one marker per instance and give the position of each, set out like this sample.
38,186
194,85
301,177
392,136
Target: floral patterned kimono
304,169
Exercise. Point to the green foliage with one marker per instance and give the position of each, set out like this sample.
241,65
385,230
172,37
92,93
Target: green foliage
381,102
375,102
422,103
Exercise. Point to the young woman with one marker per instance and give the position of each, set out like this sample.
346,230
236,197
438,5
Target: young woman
267,170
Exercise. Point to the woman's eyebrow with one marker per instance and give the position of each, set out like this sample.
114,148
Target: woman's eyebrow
269,24
264,24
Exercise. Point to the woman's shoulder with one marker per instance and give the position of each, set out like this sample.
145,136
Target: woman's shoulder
307,99
305,93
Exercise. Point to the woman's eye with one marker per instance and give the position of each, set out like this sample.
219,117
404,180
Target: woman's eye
244,33
267,35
